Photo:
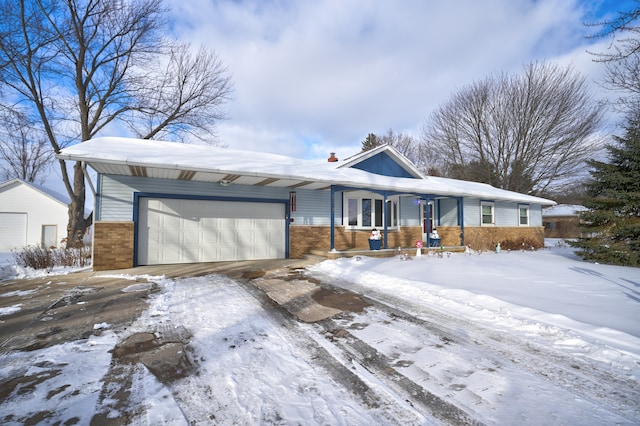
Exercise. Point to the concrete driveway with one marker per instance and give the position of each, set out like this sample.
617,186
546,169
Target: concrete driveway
60,308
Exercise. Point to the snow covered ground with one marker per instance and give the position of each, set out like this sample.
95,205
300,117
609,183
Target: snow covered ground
511,338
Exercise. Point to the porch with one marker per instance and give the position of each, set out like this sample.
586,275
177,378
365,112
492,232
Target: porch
391,252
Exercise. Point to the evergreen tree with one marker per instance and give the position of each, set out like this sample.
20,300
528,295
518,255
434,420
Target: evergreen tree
370,142
612,221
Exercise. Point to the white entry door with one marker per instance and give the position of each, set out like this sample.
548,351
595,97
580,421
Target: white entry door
191,231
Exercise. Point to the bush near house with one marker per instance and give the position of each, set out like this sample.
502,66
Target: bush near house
37,257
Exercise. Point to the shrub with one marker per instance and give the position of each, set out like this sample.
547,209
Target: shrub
37,257
521,243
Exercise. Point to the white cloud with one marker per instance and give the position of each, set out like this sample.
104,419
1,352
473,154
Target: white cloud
317,76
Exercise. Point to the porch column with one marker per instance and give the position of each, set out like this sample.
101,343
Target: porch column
333,218
385,216
461,219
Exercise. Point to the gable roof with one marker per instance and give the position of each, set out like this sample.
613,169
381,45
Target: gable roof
38,188
170,160
380,154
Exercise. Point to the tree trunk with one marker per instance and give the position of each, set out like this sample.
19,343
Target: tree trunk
78,224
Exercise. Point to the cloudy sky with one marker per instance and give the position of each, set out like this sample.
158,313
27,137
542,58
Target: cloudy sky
313,77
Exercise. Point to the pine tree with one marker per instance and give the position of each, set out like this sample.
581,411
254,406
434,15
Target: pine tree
370,142
612,220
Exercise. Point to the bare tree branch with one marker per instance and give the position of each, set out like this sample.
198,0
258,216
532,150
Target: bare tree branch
78,67
24,150
521,132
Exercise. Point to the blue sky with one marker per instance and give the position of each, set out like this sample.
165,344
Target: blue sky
313,77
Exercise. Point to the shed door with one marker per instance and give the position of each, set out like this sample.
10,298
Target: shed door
13,230
190,231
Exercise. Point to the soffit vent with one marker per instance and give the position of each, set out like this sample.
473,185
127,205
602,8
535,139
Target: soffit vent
138,171
186,174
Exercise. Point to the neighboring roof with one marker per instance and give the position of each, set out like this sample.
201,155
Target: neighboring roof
560,210
395,155
169,160
41,189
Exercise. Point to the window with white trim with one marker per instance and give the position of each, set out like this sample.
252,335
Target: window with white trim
487,213
367,210
523,215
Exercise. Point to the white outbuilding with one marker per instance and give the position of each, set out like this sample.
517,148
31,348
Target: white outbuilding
31,215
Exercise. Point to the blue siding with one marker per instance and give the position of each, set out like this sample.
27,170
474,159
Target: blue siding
314,208
471,212
382,164
506,213
115,202
116,193
448,212
535,215
409,212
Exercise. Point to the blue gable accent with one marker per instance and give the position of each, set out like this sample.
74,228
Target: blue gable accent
383,164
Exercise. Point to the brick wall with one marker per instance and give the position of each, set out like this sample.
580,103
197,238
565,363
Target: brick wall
486,237
112,245
449,235
303,239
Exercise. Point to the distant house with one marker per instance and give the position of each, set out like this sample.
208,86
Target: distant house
31,215
562,221
162,202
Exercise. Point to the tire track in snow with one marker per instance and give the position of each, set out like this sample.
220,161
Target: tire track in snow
492,350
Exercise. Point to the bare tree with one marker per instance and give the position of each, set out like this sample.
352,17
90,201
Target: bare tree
622,58
84,65
520,133
407,145
24,150
624,33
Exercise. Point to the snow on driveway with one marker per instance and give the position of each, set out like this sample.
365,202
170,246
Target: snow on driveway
512,338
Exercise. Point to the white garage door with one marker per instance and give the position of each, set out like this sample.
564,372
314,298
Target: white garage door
190,231
13,230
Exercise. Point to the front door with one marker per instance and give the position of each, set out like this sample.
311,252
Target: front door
428,221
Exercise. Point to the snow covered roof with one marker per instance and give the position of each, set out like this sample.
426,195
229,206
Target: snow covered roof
56,196
170,160
563,210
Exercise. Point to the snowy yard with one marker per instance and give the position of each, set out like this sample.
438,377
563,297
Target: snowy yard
511,338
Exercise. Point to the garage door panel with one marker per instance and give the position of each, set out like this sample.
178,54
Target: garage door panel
13,230
186,231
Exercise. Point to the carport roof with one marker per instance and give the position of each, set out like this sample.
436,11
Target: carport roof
170,160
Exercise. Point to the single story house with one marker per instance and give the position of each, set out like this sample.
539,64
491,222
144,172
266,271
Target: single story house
562,221
31,215
163,202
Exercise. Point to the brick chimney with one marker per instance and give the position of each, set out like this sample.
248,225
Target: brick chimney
332,158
